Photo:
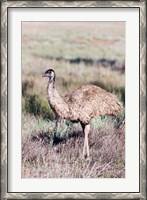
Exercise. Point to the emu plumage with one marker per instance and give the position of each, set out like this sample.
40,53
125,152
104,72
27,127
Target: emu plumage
82,105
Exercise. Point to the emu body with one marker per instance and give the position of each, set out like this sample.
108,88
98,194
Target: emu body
82,105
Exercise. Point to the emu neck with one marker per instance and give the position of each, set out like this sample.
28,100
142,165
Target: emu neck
53,95
57,102
50,86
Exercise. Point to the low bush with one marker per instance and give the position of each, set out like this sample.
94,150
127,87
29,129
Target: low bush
38,107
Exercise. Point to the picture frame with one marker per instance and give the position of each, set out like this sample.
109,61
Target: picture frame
5,7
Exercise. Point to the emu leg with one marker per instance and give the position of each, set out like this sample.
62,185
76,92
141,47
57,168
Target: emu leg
86,129
55,130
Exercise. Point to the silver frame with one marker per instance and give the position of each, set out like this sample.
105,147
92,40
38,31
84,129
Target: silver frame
4,98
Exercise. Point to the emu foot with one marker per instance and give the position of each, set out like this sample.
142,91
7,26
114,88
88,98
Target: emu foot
85,157
55,139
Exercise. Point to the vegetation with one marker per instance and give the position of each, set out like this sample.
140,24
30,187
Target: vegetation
55,45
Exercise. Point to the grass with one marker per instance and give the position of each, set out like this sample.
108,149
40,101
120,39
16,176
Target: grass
59,40
64,160
54,45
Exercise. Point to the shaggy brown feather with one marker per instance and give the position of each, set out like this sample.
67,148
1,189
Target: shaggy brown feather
90,101
82,104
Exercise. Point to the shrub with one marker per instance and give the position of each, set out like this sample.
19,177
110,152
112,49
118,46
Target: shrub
27,85
120,93
38,107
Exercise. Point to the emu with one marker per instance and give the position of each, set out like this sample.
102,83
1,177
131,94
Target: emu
81,105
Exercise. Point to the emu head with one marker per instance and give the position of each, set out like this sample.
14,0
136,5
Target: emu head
50,73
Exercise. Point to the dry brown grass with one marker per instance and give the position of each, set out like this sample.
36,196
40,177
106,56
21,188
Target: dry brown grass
64,160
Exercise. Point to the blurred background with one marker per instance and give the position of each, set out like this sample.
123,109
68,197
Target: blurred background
80,53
